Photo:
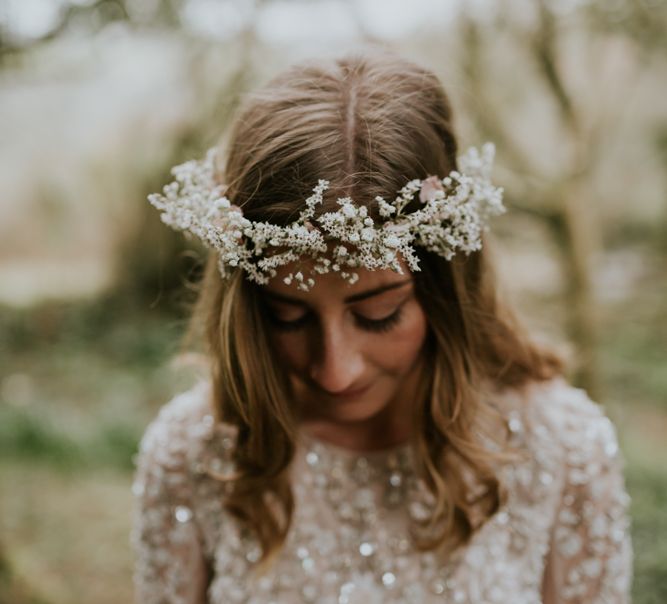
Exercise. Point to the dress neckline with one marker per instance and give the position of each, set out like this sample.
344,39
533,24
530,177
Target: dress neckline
311,442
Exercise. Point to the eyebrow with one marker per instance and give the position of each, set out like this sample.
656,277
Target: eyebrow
376,291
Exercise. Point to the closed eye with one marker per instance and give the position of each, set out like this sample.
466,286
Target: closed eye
379,325
373,325
291,325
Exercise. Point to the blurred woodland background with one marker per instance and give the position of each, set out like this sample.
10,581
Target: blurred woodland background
99,98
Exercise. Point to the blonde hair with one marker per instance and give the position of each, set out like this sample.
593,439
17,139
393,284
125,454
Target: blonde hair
368,124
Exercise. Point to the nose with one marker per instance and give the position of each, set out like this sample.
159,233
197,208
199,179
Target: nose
338,362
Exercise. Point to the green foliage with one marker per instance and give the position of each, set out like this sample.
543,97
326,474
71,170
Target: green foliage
644,21
648,489
633,336
13,590
80,381
26,435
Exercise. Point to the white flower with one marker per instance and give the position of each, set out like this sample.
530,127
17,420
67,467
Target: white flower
392,241
349,211
430,187
367,234
454,214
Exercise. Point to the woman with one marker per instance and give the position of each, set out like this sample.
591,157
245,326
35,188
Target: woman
377,427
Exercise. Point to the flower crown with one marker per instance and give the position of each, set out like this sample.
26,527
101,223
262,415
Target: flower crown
455,211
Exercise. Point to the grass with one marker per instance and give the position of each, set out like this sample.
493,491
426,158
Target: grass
79,385
67,532
648,488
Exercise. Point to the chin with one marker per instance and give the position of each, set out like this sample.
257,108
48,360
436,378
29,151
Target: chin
350,411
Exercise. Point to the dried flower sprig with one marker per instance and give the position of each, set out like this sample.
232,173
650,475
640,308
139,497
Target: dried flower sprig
455,211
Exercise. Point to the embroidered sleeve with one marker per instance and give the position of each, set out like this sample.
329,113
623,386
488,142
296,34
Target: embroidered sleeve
169,564
590,559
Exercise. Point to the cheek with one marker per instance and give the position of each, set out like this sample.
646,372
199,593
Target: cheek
291,350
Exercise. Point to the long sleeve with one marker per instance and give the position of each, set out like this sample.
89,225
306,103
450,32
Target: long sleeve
169,562
590,558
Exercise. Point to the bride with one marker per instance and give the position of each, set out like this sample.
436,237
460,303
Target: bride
377,426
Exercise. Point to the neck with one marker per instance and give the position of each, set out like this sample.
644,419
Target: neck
392,426
363,436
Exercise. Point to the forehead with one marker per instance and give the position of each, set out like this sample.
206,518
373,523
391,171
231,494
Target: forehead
331,287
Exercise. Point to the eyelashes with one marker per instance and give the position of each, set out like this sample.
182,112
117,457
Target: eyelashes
372,325
380,325
289,325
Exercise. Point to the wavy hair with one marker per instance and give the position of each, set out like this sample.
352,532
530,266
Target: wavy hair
368,124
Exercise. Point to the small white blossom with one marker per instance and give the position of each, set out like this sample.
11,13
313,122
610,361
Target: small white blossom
451,218
367,234
392,241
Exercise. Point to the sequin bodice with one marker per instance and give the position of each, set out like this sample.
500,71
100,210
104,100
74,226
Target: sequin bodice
561,536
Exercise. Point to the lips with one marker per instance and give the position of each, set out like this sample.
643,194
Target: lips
349,394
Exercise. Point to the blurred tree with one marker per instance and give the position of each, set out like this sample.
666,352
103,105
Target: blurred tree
661,145
541,36
93,16
643,21
161,260
153,262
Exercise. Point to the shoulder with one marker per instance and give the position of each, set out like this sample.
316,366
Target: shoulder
555,414
167,535
579,467
178,425
567,444
182,454
184,443
571,419
185,440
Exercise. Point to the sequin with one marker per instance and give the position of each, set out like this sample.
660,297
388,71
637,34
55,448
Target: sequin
388,579
502,517
309,593
350,540
253,554
312,458
546,478
308,564
208,420
395,479
302,552
611,448
514,424
183,513
438,587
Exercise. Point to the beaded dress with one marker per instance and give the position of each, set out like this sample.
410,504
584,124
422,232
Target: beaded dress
560,537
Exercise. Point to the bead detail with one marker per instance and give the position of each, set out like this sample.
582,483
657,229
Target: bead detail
350,539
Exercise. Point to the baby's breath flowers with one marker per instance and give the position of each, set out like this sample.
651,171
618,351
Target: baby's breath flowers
453,214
